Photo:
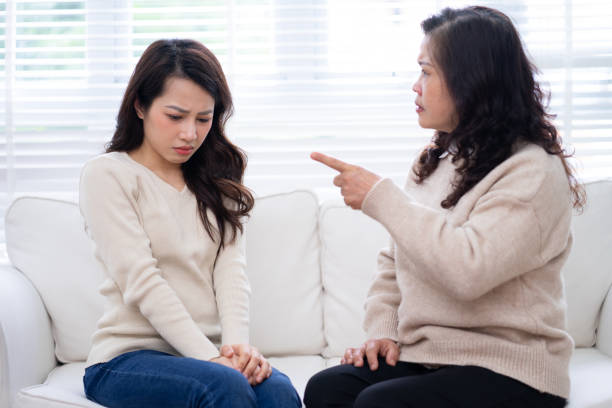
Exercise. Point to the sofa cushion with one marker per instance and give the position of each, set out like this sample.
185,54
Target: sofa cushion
350,242
64,385
67,276
588,271
62,389
47,242
283,266
590,373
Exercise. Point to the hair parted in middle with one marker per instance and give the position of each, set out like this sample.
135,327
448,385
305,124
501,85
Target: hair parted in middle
215,171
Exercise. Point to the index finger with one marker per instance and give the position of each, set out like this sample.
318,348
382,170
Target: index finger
329,161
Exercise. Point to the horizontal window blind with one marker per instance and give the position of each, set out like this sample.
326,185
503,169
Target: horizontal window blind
327,75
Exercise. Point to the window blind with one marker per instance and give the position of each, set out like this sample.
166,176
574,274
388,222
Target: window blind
327,75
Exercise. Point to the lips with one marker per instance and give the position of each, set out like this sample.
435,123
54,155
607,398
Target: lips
183,149
419,108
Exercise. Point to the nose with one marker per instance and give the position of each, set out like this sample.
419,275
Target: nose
188,132
416,87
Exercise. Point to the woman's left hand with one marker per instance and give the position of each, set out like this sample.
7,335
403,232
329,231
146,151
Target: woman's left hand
354,181
254,366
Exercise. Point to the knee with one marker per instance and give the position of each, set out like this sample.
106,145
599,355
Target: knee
277,391
369,398
317,388
230,388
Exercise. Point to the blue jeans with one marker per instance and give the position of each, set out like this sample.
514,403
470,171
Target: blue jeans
148,378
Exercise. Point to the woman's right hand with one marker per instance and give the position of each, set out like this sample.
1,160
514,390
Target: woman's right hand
371,349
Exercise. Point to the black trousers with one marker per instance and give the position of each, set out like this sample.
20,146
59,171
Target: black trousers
410,385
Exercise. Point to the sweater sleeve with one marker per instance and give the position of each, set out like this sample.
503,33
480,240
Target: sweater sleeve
232,292
501,238
381,320
108,202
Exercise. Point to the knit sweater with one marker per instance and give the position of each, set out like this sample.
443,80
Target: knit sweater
479,283
168,286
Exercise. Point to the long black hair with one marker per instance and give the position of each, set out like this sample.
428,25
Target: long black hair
497,98
214,172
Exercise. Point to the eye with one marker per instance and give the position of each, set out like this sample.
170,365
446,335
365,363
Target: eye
174,117
204,120
424,72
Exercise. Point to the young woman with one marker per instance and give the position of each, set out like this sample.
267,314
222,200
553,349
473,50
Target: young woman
164,208
467,309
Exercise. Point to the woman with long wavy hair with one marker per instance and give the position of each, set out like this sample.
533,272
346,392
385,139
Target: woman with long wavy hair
467,308
164,207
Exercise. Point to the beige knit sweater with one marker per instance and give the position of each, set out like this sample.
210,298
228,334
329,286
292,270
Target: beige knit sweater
166,287
478,284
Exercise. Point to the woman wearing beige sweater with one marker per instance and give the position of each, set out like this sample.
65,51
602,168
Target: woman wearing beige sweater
467,309
165,207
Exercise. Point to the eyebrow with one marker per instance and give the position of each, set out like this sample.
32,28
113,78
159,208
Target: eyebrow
186,111
421,62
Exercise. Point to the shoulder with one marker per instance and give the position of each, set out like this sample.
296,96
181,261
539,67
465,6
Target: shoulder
109,170
530,172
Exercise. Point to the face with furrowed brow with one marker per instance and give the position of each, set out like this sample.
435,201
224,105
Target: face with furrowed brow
175,124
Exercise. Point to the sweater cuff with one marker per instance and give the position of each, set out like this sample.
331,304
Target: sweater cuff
381,327
208,352
382,199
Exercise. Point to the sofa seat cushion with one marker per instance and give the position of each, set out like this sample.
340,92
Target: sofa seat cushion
590,371
590,374
63,388
64,385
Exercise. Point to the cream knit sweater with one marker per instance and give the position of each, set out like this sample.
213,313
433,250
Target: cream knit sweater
166,287
478,284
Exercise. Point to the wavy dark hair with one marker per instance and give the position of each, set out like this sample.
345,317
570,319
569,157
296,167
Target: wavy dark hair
214,173
497,98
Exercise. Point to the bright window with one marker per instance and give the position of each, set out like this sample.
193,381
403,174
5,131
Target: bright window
328,75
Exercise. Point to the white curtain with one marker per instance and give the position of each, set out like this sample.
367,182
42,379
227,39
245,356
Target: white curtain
328,75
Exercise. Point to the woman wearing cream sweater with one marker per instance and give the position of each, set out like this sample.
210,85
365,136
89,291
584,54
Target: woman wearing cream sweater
467,309
164,207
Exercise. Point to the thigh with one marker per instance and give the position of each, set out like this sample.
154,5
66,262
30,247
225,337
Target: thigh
339,386
148,378
456,386
277,392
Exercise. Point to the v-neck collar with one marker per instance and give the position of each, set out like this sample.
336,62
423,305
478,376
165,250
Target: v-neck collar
155,176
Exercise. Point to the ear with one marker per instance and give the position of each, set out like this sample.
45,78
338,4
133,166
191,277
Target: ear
139,110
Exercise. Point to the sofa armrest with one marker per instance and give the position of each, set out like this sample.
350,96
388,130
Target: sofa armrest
604,332
26,342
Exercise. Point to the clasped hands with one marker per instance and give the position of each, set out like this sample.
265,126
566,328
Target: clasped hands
246,359
354,181
371,349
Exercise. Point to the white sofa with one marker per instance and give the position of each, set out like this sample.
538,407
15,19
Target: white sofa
309,263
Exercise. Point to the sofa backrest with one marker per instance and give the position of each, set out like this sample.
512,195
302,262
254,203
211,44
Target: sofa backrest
282,246
588,271
47,242
309,267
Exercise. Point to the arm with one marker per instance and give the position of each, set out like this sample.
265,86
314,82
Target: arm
502,237
108,202
383,299
232,291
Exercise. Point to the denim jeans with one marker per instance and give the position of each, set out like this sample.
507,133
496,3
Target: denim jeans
148,378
